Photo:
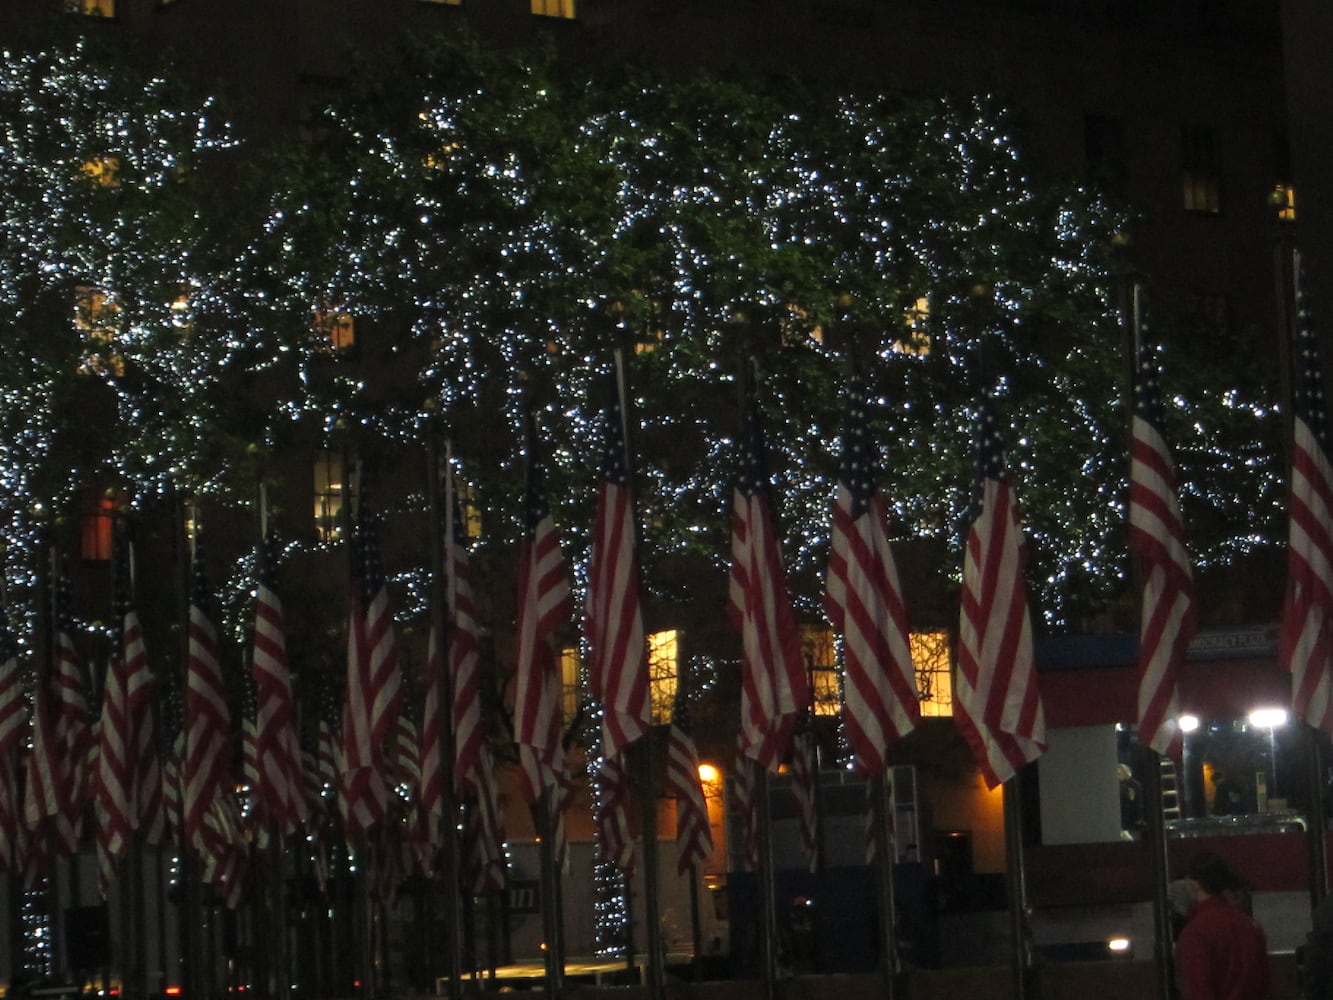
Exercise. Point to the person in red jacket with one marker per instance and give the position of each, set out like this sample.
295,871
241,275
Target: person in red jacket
1221,953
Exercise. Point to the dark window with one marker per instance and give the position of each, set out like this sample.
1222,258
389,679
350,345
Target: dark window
1201,169
1104,150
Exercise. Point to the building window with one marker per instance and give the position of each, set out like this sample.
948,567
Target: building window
91,8
336,328
1104,151
97,319
1201,169
96,521
663,671
329,495
1210,314
820,655
553,8
916,336
932,658
570,665
1284,201
104,171
469,509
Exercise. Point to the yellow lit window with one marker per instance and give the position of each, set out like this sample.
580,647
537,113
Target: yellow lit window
328,495
553,8
470,509
932,657
103,171
337,327
92,8
663,670
95,525
821,664
916,340
1284,200
570,664
97,319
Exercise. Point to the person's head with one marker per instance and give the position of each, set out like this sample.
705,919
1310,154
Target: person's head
1208,875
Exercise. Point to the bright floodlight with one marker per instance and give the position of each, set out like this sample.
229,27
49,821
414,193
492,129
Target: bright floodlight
1188,723
1118,944
1269,717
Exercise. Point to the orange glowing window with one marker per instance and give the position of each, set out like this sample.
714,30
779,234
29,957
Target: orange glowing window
97,318
337,328
91,8
96,525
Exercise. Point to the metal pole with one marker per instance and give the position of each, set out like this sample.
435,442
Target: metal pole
887,850
1156,837
768,950
651,897
453,901
1020,950
554,956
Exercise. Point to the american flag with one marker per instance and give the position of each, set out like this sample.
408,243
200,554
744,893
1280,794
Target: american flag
484,829
804,788
44,787
464,646
114,800
617,652
277,745
207,776
1306,633
774,685
693,833
544,604
11,735
865,603
255,810
172,748
374,684
615,843
430,765
997,706
1157,537
743,791
73,731
148,810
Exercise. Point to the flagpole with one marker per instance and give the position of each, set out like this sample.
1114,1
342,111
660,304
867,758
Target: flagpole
545,808
647,757
449,825
1152,760
1287,282
1019,940
885,846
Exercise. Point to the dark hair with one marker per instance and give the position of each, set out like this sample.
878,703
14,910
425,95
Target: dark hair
1212,873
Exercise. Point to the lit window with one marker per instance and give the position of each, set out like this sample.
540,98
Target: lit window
820,656
570,664
97,319
1201,168
92,8
917,338
1284,200
336,327
471,511
553,8
103,171
96,521
932,657
663,670
328,495
182,314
